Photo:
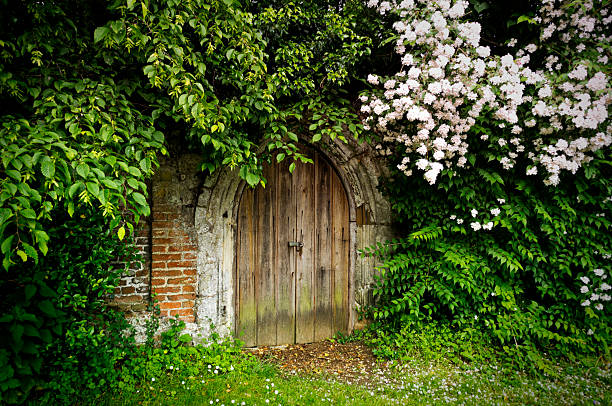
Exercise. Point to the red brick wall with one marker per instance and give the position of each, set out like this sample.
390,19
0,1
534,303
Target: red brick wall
174,274
168,244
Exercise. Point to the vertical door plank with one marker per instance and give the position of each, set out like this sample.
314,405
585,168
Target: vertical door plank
266,247
245,289
303,184
323,241
285,258
340,256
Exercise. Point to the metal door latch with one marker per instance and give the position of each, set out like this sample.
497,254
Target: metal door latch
297,244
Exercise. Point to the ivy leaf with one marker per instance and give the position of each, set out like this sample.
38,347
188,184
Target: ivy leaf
93,188
47,167
5,214
73,189
30,251
100,33
83,170
13,174
28,213
22,255
6,244
121,233
139,198
252,179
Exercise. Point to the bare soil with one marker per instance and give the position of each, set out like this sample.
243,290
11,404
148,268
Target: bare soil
352,362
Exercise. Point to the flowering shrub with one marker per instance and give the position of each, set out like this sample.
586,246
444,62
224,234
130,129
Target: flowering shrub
471,136
549,118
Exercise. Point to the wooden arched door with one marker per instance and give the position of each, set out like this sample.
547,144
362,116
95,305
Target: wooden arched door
292,256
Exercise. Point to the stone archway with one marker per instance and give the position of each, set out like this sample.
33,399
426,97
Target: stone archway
216,217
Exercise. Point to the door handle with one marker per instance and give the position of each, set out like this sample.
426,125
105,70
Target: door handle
297,244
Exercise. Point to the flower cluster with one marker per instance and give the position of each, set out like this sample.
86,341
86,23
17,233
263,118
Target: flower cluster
555,117
484,222
595,292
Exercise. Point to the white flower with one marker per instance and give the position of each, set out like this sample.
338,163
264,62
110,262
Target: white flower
604,286
459,221
599,306
501,201
584,289
590,332
598,272
585,303
585,280
495,211
475,226
373,79
474,212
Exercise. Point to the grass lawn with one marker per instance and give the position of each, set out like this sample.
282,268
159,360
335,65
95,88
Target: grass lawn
417,384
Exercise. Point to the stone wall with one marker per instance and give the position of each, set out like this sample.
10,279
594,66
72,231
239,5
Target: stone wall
188,242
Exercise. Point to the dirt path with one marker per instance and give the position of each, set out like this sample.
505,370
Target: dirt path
350,362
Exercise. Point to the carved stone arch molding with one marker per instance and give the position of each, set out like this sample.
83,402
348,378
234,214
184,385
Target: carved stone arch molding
216,224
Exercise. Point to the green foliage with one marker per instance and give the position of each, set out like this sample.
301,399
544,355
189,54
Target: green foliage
62,339
518,282
176,358
71,134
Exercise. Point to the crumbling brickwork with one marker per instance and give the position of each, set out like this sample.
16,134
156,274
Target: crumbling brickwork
168,245
173,269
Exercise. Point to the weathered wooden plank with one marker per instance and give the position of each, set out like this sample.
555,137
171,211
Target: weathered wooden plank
340,257
286,295
303,184
323,251
285,258
245,289
266,246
